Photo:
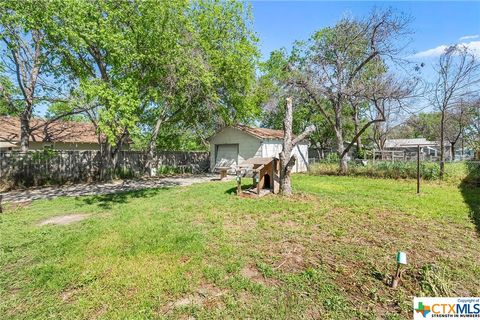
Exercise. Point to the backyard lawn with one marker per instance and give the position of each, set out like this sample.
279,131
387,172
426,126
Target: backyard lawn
201,251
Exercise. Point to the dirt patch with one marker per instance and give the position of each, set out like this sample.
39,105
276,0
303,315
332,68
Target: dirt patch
254,275
240,224
292,258
99,312
288,256
14,207
68,295
303,197
64,220
207,295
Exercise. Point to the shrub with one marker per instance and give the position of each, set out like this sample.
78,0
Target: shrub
331,158
124,173
166,170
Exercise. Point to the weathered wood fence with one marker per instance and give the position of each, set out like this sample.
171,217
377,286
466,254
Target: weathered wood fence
56,167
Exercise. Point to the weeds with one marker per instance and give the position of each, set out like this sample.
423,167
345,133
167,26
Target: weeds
454,172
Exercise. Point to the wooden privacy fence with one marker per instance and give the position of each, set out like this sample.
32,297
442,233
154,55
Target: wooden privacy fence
57,167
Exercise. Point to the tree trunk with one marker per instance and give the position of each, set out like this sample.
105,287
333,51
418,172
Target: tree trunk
286,184
151,148
104,161
452,151
285,155
463,147
287,160
356,123
25,129
342,157
442,147
285,173
339,135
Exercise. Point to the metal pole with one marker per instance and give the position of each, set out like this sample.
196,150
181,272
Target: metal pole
418,169
239,185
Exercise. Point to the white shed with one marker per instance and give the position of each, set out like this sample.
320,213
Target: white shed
233,145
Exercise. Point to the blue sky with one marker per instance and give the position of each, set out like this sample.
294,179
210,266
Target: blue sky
279,23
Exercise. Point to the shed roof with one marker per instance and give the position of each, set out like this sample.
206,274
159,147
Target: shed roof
45,131
262,133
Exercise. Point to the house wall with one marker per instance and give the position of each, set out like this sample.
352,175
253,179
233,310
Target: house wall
248,146
272,148
67,146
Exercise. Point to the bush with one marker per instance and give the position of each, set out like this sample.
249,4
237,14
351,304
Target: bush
124,173
167,170
331,158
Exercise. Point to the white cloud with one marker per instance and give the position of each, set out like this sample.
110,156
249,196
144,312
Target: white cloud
435,52
473,46
469,37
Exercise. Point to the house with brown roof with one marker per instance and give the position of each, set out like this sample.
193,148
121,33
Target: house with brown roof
59,135
233,145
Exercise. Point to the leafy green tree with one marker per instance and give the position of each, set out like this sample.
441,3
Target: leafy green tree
341,70
215,67
472,130
24,59
422,125
65,111
9,105
146,64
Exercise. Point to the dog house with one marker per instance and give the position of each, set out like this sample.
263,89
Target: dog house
265,173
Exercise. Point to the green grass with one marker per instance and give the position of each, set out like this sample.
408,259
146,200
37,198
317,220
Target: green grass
201,251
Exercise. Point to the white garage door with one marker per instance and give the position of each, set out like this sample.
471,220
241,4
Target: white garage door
227,155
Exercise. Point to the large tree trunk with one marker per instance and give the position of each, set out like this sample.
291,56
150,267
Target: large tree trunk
452,151
25,129
343,157
285,174
286,159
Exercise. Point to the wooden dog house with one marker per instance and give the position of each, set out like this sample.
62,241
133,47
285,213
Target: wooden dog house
265,173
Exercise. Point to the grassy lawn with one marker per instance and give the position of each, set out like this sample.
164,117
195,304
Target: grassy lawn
201,251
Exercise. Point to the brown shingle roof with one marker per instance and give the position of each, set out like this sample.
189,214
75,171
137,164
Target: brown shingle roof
262,133
44,131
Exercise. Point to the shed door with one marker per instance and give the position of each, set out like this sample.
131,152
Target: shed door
227,155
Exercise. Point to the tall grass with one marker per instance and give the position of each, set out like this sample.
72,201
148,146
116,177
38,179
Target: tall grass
454,172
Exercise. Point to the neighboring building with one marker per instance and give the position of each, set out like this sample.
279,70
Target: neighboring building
233,145
59,135
428,149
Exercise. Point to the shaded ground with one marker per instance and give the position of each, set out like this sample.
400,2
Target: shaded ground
200,252
470,187
102,188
